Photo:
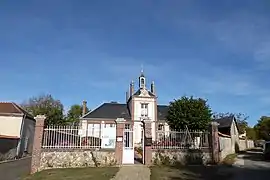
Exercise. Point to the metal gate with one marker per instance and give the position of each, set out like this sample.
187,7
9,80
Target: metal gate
128,145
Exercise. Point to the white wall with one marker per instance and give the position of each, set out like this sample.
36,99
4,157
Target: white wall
10,126
234,136
137,116
225,146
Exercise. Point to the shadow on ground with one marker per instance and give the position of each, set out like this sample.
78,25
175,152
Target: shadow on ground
209,173
254,155
256,168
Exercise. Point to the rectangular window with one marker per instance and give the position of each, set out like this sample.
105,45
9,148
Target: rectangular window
127,126
144,110
160,127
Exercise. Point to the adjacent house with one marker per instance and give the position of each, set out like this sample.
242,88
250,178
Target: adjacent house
141,104
16,130
228,126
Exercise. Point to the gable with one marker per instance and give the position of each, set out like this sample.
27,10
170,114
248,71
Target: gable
12,108
227,122
224,122
143,92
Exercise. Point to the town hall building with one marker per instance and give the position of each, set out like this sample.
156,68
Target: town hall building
141,105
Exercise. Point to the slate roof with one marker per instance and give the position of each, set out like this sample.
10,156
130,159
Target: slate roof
116,110
13,108
225,122
109,111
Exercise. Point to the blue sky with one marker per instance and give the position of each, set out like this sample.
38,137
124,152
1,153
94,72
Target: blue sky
91,50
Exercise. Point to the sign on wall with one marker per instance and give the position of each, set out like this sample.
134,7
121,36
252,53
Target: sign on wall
108,137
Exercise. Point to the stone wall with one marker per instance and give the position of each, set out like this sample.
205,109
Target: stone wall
76,158
181,156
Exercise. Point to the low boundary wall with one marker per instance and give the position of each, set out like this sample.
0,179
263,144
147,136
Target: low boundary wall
68,158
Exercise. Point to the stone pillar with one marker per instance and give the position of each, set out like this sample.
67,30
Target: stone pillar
120,125
147,142
37,144
214,142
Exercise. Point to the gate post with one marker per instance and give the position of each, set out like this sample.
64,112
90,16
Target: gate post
147,142
37,143
120,125
214,142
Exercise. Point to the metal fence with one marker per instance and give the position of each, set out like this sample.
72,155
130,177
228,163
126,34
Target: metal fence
70,137
181,140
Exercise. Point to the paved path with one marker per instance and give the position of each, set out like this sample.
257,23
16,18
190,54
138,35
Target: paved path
14,170
251,165
133,172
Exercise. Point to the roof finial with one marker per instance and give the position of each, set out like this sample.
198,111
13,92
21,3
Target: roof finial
141,68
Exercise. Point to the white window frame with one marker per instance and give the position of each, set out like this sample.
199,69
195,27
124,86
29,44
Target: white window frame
144,109
162,127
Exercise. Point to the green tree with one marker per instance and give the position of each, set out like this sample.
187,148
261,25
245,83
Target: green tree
74,113
251,133
190,112
46,105
263,128
241,119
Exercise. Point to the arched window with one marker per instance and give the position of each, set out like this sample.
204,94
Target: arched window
142,82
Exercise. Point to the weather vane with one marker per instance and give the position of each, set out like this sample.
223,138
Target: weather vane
141,68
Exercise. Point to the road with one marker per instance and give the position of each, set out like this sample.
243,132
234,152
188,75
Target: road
14,170
251,165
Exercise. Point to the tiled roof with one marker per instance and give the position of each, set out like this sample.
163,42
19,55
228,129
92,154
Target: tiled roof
12,108
116,110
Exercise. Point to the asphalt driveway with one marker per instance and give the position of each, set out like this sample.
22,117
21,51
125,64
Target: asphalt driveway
251,165
14,170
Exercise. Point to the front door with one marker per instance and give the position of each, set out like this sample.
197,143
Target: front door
128,145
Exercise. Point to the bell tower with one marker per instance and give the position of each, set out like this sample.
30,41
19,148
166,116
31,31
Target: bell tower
142,81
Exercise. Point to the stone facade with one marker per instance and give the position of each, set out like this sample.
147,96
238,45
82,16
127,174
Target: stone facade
181,156
76,158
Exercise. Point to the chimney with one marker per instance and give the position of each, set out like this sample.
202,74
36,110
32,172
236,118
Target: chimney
127,96
131,88
153,88
84,108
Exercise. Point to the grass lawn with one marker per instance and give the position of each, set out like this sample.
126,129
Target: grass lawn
101,173
188,173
